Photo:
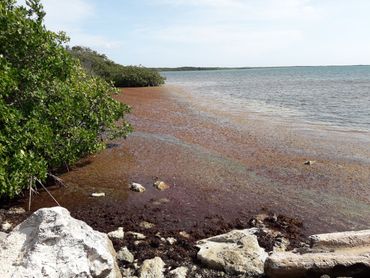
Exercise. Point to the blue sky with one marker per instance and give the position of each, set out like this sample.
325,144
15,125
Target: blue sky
218,32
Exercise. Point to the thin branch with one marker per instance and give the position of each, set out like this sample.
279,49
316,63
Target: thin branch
48,191
57,179
30,194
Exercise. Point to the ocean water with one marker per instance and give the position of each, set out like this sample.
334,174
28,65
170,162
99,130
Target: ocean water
335,96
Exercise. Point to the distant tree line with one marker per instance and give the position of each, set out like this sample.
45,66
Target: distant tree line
97,64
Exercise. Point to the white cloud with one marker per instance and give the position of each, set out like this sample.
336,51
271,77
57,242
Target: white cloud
251,9
71,16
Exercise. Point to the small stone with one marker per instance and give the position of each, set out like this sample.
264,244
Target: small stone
152,268
137,187
161,185
6,226
309,162
117,234
179,272
184,234
138,236
127,273
19,210
125,255
98,194
171,240
138,242
146,225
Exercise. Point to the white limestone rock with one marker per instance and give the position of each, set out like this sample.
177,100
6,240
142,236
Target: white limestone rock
125,255
152,268
236,252
50,243
117,234
179,272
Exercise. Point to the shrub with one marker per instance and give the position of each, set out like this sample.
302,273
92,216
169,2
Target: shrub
122,76
52,112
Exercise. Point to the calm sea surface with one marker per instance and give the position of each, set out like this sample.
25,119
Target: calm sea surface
337,96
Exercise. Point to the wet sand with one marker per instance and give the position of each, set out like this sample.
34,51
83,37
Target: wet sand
223,169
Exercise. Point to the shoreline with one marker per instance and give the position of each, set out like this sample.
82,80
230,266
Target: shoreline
220,174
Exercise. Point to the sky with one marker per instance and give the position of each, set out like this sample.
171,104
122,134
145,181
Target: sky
225,33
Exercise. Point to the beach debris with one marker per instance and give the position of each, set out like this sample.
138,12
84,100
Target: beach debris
171,240
6,226
309,162
50,243
161,201
146,225
98,194
125,255
137,187
152,268
135,235
117,234
16,210
236,252
180,272
184,234
161,185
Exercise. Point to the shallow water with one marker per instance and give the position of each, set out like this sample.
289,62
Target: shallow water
337,96
222,170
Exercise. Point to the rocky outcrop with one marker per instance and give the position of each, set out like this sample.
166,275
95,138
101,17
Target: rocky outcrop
236,252
335,254
334,241
50,243
288,264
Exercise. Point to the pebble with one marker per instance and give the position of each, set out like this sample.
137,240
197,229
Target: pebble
98,194
161,185
117,234
137,187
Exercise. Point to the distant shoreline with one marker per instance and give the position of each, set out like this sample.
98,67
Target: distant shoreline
191,68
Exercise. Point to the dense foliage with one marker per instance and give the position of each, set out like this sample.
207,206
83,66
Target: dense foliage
51,112
122,76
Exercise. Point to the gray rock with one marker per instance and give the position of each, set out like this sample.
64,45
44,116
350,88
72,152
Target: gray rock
125,255
236,252
179,272
117,234
50,243
152,268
